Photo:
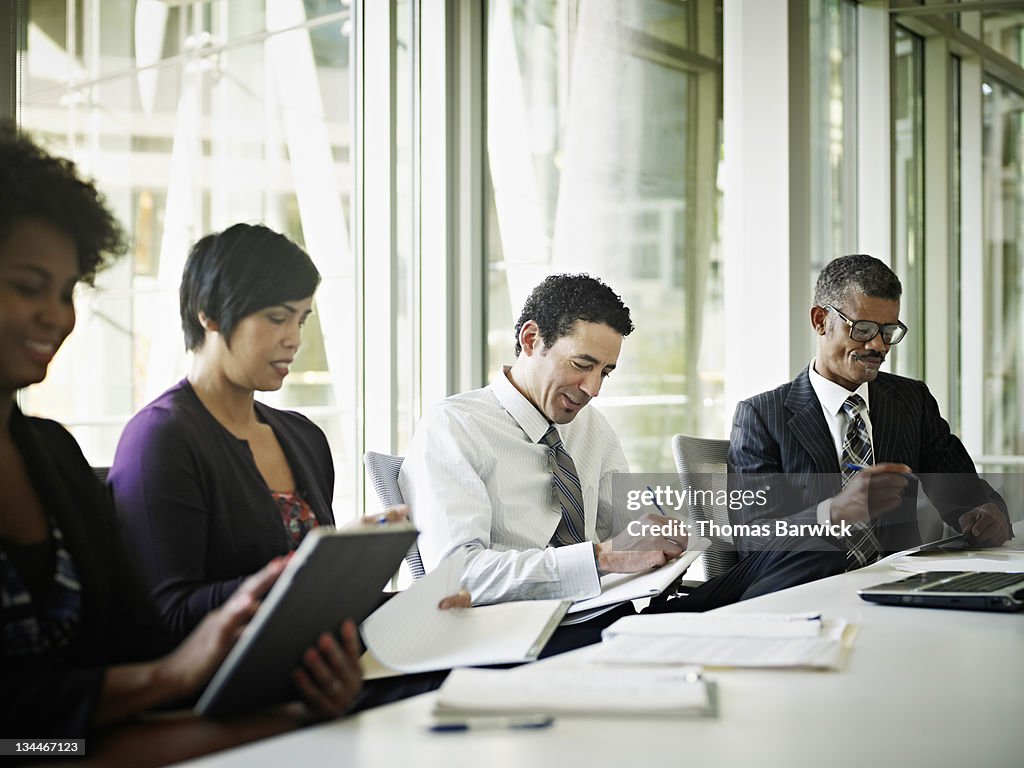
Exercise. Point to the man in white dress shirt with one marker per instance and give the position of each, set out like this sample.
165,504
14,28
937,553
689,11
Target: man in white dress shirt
478,476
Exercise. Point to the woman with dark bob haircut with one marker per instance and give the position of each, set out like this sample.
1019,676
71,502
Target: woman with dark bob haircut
212,485
82,645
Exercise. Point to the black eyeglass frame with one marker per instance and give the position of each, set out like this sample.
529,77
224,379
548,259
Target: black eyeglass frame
879,328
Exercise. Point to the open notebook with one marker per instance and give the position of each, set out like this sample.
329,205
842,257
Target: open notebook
409,633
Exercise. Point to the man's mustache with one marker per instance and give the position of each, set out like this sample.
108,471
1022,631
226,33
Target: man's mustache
874,356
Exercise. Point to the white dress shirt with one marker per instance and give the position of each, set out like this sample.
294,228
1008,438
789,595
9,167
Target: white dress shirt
832,396
477,479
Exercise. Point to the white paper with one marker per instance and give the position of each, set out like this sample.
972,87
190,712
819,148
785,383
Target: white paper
821,651
718,625
409,633
619,587
594,690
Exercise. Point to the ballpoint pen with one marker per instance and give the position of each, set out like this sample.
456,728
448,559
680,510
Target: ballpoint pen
486,723
654,501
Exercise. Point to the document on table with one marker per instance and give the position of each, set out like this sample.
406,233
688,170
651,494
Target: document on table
409,633
727,640
617,588
590,690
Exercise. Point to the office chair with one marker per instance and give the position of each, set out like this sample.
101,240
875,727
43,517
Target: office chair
383,469
101,473
703,462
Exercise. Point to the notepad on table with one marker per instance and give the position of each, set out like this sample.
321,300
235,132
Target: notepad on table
576,691
617,588
409,633
726,640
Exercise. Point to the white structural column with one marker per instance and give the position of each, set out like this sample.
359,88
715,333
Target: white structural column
761,312
874,126
450,157
376,228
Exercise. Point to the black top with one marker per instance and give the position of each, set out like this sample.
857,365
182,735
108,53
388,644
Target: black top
54,695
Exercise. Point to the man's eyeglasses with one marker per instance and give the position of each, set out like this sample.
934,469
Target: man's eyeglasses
866,330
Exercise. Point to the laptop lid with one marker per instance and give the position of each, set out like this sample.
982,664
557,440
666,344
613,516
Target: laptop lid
968,590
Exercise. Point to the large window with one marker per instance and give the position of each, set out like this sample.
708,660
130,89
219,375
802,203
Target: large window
191,117
603,154
832,95
1003,340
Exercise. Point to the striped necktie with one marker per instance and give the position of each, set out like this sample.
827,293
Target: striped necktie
566,491
861,545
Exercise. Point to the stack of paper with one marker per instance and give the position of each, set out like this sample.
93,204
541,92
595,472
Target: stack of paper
575,691
725,640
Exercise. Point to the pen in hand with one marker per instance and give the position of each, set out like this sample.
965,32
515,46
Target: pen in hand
654,501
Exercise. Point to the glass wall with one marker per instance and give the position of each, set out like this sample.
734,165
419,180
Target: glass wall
191,117
1003,340
603,154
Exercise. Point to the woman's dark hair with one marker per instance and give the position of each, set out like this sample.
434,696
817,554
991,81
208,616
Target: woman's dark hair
231,274
560,300
36,185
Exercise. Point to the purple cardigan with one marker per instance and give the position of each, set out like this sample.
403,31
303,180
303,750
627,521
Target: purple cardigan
196,509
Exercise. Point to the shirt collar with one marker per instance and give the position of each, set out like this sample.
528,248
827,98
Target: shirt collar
832,395
525,414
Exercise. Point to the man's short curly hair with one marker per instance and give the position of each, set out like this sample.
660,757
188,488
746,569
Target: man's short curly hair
36,185
560,300
857,272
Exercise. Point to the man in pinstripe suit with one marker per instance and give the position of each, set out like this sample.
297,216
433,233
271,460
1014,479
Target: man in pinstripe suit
801,433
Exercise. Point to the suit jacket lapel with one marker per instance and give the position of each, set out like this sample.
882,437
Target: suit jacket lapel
885,421
808,425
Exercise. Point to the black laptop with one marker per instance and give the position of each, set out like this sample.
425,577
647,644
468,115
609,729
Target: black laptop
969,590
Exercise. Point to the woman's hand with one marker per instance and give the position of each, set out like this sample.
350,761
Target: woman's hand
193,663
330,678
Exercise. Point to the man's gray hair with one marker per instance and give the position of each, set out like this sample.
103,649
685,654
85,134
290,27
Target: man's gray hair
858,272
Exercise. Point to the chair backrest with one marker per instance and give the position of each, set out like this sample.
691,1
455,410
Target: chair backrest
702,464
383,469
101,473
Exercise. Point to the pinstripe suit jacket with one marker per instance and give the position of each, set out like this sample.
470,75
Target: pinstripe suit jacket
784,431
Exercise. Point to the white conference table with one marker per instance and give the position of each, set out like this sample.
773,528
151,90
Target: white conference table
921,687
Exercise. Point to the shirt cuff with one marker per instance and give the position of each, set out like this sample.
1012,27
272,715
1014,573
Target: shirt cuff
578,571
825,511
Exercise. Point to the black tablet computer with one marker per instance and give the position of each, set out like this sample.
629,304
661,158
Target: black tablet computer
334,575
